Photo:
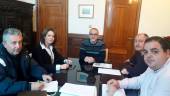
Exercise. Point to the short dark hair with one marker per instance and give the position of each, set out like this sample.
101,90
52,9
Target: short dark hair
10,31
160,40
44,33
146,35
168,40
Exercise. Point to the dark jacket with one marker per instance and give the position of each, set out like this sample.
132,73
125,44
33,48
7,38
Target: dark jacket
44,59
137,65
97,51
16,72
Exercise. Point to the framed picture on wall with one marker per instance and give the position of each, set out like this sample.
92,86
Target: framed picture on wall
86,10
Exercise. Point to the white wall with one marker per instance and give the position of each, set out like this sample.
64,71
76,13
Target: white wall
28,1
81,25
155,17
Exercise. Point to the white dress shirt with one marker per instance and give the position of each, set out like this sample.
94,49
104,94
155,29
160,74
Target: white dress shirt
51,54
150,83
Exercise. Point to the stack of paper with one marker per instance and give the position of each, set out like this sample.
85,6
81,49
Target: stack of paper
109,71
102,65
51,86
69,89
119,92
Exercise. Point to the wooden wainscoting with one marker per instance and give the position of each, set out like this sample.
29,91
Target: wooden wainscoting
117,57
74,41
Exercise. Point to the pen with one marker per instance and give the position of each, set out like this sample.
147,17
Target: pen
73,67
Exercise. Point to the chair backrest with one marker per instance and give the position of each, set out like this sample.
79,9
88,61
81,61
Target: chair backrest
106,55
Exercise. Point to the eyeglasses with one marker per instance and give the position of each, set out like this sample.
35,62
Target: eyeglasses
93,34
153,51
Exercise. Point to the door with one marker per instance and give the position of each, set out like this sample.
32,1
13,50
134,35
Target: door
121,26
53,14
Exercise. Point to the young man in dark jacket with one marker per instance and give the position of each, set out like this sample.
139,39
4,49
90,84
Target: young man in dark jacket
18,70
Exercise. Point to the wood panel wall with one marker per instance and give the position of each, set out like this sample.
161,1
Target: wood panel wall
74,41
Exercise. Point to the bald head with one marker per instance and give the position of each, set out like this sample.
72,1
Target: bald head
93,35
139,41
94,31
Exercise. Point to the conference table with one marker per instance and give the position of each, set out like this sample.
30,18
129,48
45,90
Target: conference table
72,75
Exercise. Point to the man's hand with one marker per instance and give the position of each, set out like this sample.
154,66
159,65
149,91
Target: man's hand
124,71
113,86
128,60
89,59
64,66
37,86
86,59
47,78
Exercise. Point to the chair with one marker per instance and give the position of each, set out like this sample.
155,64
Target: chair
106,55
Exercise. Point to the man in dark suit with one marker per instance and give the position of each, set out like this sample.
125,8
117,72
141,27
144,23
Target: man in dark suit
18,71
136,65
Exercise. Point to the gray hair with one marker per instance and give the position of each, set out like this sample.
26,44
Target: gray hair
10,31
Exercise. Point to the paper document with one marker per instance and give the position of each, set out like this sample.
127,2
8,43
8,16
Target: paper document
69,89
65,94
109,71
51,86
103,65
119,92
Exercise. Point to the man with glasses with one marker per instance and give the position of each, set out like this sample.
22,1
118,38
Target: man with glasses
136,65
91,50
156,79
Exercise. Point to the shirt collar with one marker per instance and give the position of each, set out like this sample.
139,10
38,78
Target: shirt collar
44,47
167,63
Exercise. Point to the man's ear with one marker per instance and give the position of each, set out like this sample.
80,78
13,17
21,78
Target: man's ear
4,43
168,51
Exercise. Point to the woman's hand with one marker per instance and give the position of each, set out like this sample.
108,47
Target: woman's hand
68,61
64,66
